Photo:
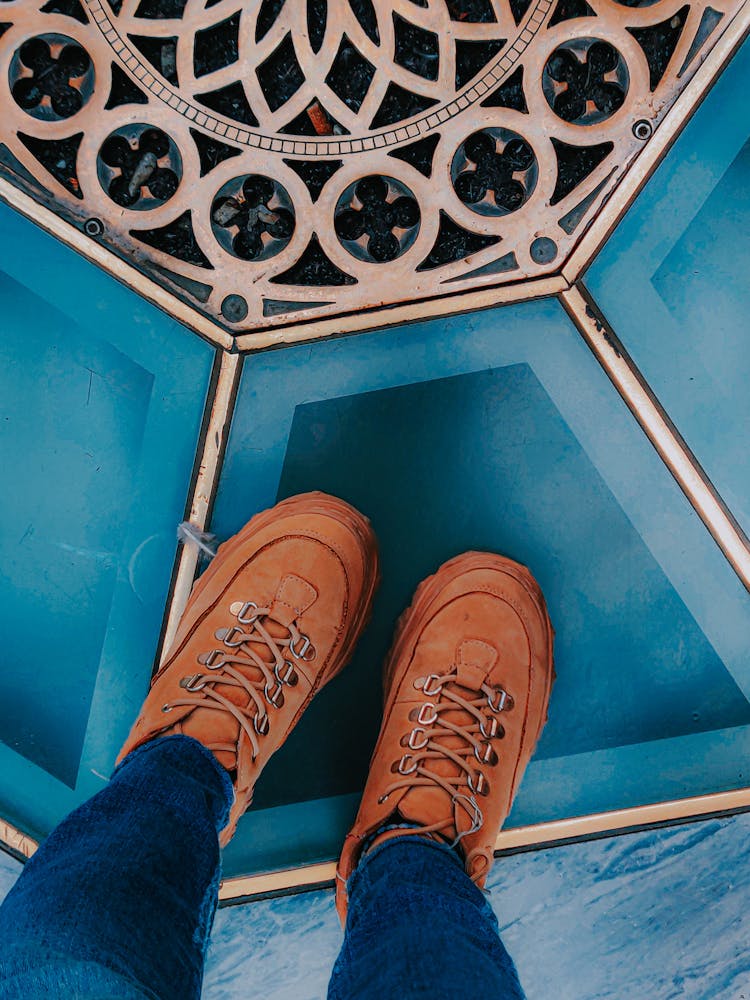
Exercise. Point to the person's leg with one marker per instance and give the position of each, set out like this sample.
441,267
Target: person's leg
120,898
467,686
118,902
417,927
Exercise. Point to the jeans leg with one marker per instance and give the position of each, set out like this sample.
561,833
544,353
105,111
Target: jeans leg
120,898
419,929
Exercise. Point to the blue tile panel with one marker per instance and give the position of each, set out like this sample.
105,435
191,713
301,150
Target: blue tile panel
673,281
485,461
102,399
499,431
68,499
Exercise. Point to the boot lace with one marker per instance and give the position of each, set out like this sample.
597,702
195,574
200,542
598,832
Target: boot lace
426,745
239,665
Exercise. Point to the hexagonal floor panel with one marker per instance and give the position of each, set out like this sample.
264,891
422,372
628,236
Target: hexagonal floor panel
499,431
682,255
102,401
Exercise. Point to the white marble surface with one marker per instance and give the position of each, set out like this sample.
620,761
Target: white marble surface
658,915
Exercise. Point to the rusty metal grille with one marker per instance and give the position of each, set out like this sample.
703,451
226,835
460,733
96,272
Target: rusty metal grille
278,161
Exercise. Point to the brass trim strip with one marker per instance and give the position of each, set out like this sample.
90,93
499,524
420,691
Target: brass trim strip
289,879
408,312
622,820
299,332
13,840
204,489
104,258
660,430
665,135
535,835
524,837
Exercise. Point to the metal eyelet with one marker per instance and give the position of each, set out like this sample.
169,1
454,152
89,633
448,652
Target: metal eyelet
402,767
489,727
478,783
261,724
275,697
209,659
413,737
427,720
242,615
167,707
192,683
485,754
430,685
502,699
289,676
227,635
306,652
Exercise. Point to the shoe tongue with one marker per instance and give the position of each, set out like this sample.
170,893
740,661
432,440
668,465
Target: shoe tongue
261,648
276,630
293,597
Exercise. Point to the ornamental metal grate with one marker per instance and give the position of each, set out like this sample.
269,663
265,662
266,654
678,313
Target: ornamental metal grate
274,162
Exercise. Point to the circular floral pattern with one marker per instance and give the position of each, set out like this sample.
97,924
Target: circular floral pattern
494,171
585,81
252,217
51,77
373,151
139,167
377,219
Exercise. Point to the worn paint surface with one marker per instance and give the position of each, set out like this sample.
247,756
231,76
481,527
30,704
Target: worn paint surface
558,471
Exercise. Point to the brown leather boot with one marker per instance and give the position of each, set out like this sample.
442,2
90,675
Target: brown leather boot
274,617
467,685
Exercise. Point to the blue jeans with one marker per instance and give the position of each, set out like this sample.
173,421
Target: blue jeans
119,901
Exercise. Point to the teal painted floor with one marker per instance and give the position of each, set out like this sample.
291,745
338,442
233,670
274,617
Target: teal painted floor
673,281
102,398
499,431
494,430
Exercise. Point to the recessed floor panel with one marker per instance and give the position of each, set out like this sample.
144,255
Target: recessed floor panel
673,281
102,400
497,431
